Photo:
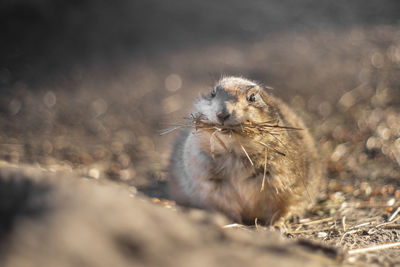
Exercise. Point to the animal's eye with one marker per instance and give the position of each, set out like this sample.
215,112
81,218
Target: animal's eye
252,98
213,92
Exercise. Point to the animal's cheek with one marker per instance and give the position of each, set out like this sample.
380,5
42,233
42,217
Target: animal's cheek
239,115
206,108
210,111
255,115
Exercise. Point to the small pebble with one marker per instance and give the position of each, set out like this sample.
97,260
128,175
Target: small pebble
155,200
132,189
94,173
352,259
391,202
322,234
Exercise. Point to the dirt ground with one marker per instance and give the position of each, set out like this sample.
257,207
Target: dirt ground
86,89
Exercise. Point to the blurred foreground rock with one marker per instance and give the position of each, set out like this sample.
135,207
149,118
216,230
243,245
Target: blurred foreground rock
54,219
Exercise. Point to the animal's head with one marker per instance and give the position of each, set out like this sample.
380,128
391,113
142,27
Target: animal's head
234,101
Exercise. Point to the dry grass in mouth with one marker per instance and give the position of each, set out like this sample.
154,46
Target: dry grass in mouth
200,122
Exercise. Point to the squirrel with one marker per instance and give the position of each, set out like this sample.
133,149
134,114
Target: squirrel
228,174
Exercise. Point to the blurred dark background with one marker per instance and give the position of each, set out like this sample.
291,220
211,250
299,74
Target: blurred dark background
86,85
56,37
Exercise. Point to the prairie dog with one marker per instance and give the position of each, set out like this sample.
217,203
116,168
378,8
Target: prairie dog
224,170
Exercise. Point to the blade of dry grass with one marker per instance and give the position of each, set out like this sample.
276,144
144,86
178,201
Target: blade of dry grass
265,170
234,225
317,221
362,225
247,155
169,130
273,149
344,223
394,214
310,231
373,248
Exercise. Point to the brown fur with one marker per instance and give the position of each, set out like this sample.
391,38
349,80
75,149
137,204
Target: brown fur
210,169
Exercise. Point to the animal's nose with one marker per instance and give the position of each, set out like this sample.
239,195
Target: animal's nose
223,116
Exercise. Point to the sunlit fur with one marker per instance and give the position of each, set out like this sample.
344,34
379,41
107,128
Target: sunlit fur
210,168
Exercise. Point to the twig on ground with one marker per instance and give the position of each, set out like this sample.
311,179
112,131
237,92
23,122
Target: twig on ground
234,225
361,225
344,223
394,214
348,233
374,248
308,231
